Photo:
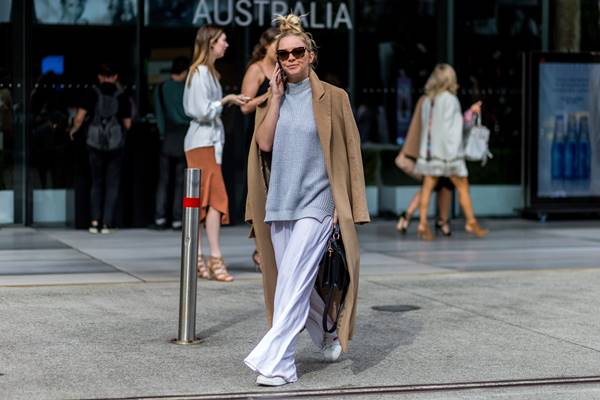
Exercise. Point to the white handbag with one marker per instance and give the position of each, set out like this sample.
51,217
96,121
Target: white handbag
476,147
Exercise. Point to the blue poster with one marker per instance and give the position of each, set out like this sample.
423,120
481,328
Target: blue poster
569,123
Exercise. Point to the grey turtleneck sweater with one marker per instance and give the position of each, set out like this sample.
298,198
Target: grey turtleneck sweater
298,185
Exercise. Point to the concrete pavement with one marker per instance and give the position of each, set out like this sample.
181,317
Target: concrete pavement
90,316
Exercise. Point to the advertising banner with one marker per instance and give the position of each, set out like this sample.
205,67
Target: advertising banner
86,12
569,130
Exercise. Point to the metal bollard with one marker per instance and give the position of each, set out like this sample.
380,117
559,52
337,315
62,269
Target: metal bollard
189,258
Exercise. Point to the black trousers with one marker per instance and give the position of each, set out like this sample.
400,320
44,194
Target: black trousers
106,178
164,180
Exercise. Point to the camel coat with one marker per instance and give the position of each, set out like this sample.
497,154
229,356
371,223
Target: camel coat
413,136
340,142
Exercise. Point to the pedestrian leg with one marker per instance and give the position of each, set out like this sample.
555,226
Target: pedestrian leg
178,193
162,190
97,168
113,185
274,356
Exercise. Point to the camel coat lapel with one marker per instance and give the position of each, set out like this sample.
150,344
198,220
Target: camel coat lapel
340,143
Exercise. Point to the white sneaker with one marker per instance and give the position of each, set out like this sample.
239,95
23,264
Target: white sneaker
274,381
332,349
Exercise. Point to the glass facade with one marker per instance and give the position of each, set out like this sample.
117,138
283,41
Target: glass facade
381,51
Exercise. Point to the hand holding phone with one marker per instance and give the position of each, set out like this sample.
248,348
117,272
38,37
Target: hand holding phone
283,75
279,81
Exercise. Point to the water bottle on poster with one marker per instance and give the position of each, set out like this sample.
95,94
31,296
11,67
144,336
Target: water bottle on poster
570,143
557,152
584,153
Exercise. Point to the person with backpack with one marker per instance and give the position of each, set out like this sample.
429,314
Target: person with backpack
109,114
172,126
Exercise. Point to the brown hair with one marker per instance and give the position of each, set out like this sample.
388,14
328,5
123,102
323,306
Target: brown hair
260,49
441,79
291,25
207,36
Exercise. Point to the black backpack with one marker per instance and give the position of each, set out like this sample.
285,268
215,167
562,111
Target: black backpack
105,132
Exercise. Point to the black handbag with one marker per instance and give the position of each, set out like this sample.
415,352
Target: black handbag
333,275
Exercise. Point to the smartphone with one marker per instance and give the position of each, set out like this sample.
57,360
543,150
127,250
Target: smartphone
283,76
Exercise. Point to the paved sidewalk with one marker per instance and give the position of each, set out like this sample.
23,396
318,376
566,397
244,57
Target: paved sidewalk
87,316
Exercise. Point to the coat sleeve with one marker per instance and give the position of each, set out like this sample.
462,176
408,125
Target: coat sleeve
358,201
454,126
253,169
196,101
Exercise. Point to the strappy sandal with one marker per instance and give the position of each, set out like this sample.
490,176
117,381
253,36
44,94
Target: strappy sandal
443,226
201,269
403,222
424,233
218,270
256,260
474,228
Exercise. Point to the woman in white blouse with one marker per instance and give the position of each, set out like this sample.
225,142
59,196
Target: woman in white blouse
441,151
203,101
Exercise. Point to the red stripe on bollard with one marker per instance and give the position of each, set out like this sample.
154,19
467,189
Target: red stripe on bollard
191,202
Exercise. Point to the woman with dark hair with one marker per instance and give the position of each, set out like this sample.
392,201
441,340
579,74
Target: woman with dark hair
256,83
313,183
259,71
203,102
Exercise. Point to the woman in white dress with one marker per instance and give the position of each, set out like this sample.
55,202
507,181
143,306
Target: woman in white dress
441,151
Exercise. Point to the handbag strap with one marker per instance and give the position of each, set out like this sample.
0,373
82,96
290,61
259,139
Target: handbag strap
476,119
329,301
429,130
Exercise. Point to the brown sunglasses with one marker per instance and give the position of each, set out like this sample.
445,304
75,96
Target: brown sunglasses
298,52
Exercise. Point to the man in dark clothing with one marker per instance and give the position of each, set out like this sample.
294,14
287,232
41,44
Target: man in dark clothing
172,125
109,114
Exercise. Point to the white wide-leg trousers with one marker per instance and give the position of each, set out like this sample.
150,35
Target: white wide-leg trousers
299,246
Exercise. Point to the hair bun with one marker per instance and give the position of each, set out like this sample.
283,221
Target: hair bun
290,22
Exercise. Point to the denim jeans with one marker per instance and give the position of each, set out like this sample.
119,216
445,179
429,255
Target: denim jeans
106,177
162,194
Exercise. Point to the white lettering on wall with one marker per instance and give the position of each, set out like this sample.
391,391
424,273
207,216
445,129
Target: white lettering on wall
313,17
328,14
300,10
229,19
261,10
243,7
202,15
246,12
343,17
278,7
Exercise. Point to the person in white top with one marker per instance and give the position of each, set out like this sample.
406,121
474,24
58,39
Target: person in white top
441,151
203,102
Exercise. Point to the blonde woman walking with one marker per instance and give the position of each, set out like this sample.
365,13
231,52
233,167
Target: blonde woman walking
203,101
314,181
441,149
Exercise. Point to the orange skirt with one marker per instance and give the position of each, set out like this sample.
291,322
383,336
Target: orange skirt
212,190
